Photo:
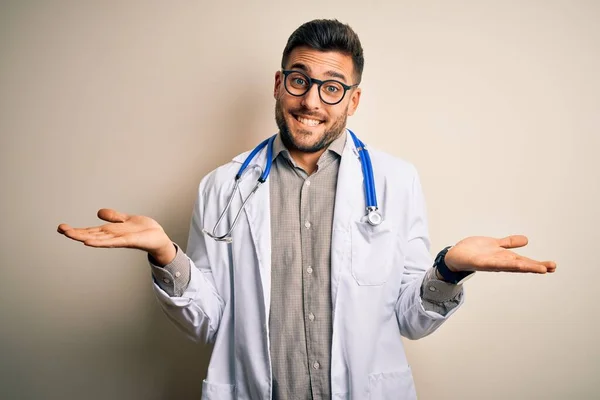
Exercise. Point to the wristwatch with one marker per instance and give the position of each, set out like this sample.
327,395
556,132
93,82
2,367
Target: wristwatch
457,278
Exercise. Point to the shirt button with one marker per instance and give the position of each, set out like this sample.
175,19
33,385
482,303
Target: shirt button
177,274
309,270
166,280
311,316
307,224
307,183
432,288
316,365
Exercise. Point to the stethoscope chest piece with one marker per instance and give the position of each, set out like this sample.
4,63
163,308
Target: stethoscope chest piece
374,216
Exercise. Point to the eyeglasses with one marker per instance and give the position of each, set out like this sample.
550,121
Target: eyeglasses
330,91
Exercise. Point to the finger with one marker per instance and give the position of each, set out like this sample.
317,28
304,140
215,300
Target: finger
82,234
519,265
106,243
111,215
102,235
101,230
110,242
92,229
513,241
62,228
550,265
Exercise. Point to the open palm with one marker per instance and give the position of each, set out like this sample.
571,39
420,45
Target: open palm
479,253
122,230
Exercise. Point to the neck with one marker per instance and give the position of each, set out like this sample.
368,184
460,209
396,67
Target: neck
307,161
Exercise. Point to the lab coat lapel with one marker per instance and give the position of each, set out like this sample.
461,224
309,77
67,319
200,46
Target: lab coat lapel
257,211
349,201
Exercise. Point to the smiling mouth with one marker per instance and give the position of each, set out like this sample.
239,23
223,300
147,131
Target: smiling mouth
308,121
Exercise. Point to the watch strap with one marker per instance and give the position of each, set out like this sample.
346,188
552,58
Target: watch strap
448,275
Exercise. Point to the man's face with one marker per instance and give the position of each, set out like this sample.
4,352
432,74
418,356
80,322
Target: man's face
305,122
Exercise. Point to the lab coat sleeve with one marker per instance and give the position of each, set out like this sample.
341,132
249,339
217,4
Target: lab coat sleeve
198,311
414,320
439,296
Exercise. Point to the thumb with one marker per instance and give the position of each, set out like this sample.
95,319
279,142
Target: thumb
111,215
513,241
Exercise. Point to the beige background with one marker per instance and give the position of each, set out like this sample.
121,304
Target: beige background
128,104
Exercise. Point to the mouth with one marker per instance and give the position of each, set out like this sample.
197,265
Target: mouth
307,121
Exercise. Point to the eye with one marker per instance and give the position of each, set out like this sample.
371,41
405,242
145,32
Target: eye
332,89
299,81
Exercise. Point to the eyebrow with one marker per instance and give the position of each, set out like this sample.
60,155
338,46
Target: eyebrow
330,73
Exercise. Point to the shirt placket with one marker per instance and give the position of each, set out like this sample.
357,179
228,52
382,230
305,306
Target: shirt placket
309,283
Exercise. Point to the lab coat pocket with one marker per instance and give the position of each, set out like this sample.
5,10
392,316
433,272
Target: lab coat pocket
392,385
371,253
217,391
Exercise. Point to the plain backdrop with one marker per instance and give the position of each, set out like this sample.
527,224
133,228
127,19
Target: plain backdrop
129,104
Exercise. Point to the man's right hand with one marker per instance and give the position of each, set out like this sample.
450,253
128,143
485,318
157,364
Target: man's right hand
125,231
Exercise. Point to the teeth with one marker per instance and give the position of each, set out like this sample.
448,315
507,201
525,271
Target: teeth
309,122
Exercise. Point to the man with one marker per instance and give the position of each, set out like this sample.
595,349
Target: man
309,299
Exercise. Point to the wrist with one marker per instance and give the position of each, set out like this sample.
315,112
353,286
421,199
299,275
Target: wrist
443,271
448,261
164,255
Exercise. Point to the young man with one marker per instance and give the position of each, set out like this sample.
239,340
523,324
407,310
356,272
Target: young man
309,298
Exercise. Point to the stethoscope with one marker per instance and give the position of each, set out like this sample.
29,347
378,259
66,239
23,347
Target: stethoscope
373,215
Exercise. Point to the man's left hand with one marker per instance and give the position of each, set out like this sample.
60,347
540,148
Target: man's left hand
480,253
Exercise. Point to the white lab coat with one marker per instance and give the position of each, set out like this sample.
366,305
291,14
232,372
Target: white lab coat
376,276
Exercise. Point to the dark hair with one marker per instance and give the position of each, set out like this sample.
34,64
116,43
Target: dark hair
327,35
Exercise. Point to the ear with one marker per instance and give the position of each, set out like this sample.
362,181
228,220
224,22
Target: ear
354,100
278,82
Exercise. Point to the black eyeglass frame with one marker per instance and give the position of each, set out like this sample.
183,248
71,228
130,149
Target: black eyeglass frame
319,83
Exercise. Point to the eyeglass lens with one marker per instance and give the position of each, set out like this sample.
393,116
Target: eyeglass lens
331,91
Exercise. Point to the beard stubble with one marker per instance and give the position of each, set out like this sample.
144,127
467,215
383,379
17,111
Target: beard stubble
326,139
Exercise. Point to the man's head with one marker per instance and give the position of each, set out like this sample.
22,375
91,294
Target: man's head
310,117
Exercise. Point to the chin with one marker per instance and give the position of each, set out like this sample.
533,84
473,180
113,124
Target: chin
305,143
302,136
305,138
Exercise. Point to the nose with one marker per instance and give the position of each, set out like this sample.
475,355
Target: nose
311,99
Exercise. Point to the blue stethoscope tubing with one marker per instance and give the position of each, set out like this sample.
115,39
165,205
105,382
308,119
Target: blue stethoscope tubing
263,177
373,216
